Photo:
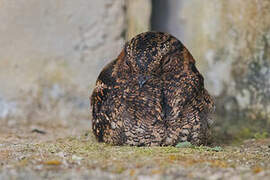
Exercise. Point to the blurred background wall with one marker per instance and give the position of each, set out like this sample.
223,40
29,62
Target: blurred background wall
52,51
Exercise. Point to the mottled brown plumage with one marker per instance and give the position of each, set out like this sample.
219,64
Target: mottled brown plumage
152,94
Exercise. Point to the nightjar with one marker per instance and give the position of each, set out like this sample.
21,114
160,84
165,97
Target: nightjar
151,95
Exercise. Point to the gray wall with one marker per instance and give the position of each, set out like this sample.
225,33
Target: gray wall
230,41
51,52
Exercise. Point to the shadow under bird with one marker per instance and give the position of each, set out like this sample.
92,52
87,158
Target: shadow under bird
151,95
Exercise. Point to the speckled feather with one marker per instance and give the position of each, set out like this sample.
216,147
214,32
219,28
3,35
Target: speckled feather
152,94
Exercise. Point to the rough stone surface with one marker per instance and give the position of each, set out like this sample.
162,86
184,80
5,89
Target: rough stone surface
25,156
50,55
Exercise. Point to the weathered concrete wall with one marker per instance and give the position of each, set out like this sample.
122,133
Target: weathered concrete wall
166,18
138,17
51,53
231,41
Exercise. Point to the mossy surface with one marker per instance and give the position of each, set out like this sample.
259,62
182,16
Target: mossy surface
81,156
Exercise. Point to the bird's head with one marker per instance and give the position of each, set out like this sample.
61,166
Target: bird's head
146,51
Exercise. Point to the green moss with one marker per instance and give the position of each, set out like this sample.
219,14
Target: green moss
262,135
245,133
85,152
187,144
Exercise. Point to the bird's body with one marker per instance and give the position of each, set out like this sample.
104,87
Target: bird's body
152,94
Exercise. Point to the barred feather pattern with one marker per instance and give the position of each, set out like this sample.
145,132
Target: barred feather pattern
151,95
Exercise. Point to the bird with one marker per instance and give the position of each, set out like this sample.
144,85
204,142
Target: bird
152,94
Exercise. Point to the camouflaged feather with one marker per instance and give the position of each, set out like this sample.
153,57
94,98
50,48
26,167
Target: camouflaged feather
152,94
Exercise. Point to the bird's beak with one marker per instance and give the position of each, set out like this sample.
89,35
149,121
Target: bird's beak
142,80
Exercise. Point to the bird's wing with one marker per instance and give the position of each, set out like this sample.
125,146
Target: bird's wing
186,100
104,83
101,93
182,81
